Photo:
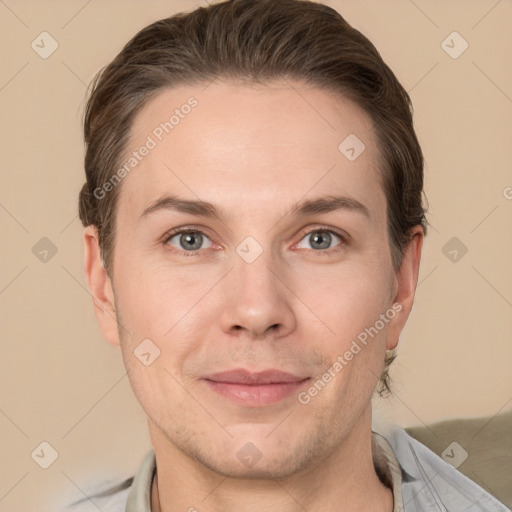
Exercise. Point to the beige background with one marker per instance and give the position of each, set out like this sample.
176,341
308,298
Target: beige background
63,384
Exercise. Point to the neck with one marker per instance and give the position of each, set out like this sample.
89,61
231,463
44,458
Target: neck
346,480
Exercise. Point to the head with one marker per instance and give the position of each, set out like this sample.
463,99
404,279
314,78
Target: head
258,108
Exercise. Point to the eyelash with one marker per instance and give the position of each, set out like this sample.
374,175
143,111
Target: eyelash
196,229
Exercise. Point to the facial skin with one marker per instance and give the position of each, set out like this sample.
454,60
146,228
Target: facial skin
254,153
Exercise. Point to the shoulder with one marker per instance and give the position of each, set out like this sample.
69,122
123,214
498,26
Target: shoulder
107,497
430,483
480,448
114,495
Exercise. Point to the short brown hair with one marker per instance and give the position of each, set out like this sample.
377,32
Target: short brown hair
254,41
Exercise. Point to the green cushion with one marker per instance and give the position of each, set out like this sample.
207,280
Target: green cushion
488,443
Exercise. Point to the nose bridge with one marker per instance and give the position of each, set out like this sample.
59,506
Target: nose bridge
257,280
254,262
255,277
257,299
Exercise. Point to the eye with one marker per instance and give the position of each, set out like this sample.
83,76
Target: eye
319,239
189,240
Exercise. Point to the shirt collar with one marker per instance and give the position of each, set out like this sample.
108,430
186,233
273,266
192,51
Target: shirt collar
385,460
139,498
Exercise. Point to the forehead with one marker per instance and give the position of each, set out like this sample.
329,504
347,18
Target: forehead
238,142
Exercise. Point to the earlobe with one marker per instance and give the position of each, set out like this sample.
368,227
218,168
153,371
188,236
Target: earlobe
100,286
407,279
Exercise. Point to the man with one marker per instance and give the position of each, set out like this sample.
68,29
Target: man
253,230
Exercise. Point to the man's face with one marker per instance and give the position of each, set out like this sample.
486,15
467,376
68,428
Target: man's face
266,287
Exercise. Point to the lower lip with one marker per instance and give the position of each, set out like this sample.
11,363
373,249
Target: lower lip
256,395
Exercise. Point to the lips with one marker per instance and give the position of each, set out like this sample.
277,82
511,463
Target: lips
255,389
241,376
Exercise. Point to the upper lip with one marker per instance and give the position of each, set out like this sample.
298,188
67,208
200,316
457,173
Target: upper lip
242,376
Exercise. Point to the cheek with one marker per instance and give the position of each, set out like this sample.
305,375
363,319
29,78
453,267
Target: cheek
166,306
346,300
157,316
349,303
156,299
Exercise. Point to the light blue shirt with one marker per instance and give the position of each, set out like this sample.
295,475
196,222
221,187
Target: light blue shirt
421,482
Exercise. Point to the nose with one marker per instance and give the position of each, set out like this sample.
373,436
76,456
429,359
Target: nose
258,302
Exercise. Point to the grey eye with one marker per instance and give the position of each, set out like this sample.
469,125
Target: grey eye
319,239
188,240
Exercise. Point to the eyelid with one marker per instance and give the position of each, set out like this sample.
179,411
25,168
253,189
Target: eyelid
345,238
184,229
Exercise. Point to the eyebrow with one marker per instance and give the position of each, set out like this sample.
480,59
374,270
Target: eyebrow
320,205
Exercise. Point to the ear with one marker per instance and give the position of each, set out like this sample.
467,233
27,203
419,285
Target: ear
100,286
406,280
